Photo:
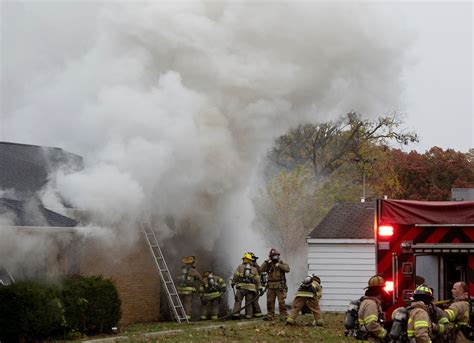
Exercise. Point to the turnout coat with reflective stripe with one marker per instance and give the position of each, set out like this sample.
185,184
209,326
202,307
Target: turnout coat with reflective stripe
458,315
419,323
370,311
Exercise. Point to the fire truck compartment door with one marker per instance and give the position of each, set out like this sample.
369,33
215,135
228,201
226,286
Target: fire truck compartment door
428,267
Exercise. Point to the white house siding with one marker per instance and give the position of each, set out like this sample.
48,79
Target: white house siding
344,266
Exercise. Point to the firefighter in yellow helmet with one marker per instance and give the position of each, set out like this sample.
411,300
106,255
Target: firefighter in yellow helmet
419,322
309,293
247,283
211,290
187,282
458,313
276,285
370,312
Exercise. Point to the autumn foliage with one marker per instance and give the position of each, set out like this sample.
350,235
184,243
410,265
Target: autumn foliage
431,175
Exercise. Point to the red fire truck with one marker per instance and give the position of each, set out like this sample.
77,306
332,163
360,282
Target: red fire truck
426,238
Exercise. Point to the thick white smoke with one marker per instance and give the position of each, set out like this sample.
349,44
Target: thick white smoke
173,105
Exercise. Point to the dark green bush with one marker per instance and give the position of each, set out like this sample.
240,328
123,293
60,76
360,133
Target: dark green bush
91,304
30,311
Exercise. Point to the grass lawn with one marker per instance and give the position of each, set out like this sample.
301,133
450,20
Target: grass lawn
249,331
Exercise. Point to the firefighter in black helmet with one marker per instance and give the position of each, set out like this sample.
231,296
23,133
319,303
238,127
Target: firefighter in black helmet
419,322
256,310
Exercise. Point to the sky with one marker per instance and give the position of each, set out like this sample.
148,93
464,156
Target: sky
438,92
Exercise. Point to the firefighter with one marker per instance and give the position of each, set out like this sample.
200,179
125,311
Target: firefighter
276,286
247,283
210,291
256,310
370,312
187,283
419,322
439,322
458,313
308,294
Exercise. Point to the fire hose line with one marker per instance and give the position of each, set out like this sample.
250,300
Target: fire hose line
243,306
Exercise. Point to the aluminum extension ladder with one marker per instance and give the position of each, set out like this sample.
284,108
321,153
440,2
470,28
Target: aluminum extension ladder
173,298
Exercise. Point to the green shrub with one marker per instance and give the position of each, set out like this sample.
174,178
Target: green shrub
91,304
30,311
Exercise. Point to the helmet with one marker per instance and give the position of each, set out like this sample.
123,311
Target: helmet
189,259
376,281
247,256
273,252
423,290
254,258
316,278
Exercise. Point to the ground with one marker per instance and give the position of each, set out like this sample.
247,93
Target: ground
240,331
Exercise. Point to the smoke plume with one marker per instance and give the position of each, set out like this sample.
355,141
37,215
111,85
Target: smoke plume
173,105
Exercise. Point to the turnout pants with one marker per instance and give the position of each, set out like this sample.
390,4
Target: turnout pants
257,311
272,295
211,306
187,301
298,305
240,295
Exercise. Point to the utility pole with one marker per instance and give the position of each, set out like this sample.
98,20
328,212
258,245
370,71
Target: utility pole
364,162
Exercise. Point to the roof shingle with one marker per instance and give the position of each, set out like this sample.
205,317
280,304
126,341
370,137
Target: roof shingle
347,220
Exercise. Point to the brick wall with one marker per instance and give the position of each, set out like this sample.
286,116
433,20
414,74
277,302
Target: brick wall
134,273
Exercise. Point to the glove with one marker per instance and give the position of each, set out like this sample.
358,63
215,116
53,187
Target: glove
261,292
277,264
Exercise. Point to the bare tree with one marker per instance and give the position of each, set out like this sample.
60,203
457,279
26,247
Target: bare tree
325,147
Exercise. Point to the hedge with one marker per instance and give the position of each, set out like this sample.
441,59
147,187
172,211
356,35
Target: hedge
92,304
32,311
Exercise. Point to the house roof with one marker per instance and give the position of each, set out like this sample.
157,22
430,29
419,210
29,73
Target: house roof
31,213
25,168
347,220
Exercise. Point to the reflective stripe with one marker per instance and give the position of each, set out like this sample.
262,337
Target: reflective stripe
247,286
211,296
304,294
421,324
451,314
382,333
370,319
410,333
